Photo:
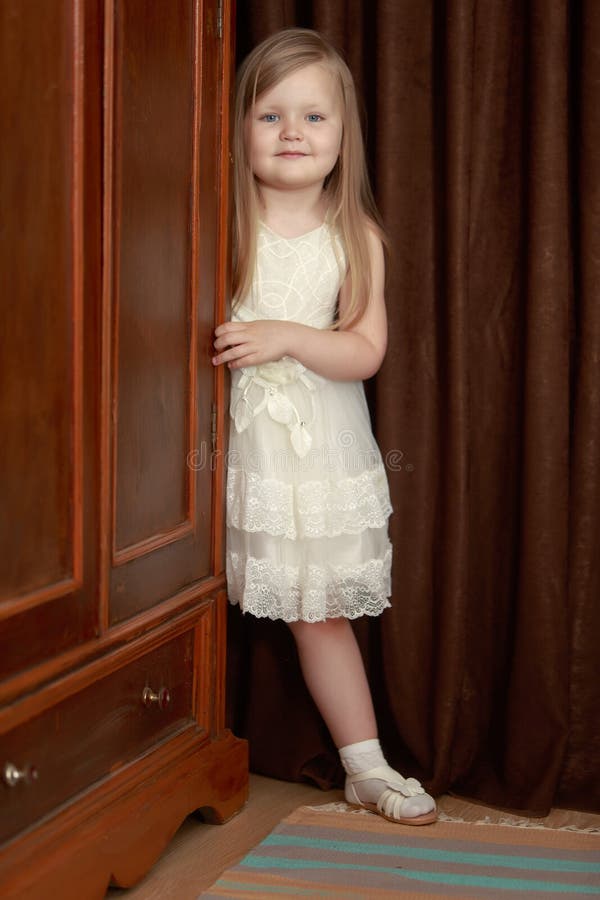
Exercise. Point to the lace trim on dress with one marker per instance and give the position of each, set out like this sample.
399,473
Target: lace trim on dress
347,506
260,504
324,508
311,594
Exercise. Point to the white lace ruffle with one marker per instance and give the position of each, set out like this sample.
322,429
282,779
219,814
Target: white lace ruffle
311,509
313,594
255,504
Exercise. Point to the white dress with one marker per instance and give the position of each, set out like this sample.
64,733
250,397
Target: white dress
307,494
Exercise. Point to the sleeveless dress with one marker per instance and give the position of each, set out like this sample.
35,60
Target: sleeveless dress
307,493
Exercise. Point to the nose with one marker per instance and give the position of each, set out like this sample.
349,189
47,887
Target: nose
290,130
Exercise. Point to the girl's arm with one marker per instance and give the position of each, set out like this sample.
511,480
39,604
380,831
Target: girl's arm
352,354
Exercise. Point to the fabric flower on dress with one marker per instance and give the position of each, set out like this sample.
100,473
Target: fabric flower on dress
260,389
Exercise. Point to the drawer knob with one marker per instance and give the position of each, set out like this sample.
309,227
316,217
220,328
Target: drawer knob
12,776
160,699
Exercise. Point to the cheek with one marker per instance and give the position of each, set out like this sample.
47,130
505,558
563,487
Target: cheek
334,138
253,142
254,155
257,146
335,143
259,163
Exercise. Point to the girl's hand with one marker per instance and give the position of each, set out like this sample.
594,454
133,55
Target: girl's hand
242,344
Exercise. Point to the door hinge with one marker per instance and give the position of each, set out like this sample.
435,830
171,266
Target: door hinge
213,428
219,18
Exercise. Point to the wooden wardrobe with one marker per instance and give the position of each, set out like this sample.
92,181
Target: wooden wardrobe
114,187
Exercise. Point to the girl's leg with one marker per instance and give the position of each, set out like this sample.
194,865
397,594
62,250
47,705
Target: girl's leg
334,673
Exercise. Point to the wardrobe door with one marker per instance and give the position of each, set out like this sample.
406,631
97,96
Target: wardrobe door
161,211
112,260
48,511
113,255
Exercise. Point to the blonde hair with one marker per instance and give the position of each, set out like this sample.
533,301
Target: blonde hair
350,197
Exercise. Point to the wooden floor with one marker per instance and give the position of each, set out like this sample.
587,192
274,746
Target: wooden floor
199,853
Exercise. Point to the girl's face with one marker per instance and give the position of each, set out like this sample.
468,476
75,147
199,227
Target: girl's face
294,130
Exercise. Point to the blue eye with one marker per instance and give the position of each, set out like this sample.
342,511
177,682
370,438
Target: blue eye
314,117
270,117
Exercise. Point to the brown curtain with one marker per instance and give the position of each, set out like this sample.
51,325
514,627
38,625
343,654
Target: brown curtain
484,144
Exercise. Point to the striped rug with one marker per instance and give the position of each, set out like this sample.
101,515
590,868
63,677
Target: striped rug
323,854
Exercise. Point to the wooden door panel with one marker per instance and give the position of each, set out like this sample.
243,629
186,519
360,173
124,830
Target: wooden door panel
44,631
45,576
40,301
152,213
161,382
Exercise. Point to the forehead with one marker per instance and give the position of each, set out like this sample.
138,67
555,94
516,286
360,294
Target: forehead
304,87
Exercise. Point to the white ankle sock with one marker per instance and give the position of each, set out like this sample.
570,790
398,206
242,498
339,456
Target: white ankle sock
362,756
365,755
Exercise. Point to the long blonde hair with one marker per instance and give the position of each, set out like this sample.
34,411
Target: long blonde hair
351,201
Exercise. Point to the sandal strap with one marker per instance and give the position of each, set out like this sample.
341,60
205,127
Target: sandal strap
408,787
390,803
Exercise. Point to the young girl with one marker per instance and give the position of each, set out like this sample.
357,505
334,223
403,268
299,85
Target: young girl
307,494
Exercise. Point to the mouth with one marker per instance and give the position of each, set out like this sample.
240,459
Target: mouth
291,154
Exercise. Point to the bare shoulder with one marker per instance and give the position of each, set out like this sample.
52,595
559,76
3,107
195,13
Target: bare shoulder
375,243
376,263
375,238
372,325
372,230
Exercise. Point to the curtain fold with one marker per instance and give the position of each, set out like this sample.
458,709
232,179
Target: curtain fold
579,784
483,136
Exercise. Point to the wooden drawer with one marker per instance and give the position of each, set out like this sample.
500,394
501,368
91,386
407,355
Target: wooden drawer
95,731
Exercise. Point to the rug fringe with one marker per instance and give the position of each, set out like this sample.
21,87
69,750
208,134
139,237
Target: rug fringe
514,822
339,806
506,821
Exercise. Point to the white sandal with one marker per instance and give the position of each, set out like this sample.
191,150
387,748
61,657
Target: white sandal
390,802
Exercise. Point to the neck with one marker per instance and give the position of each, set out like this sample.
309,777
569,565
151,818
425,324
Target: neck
292,210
